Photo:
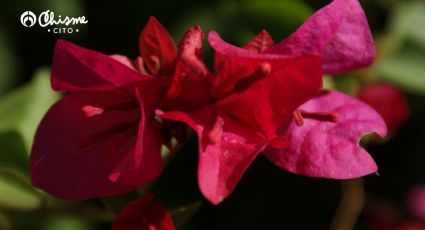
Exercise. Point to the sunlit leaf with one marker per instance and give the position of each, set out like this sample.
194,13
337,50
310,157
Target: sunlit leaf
408,21
66,223
22,110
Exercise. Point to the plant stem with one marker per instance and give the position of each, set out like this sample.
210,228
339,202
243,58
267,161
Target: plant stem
350,206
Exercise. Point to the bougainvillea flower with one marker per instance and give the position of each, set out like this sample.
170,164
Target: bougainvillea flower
389,101
338,32
101,138
251,96
326,144
143,214
322,137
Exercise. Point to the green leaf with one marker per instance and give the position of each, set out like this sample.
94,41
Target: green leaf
16,192
405,69
408,21
66,223
22,110
13,151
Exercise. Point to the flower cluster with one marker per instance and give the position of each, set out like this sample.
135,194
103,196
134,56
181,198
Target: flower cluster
104,137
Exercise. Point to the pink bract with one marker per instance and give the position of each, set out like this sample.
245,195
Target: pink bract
339,33
330,149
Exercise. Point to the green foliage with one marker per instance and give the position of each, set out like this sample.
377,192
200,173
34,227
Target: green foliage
7,62
402,61
66,223
20,113
13,151
408,21
22,110
406,69
16,191
280,17
183,214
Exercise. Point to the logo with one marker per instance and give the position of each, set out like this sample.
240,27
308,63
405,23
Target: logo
48,19
28,19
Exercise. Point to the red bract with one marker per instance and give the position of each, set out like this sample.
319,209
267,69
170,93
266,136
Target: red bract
143,214
101,138
100,135
249,99
389,101
157,48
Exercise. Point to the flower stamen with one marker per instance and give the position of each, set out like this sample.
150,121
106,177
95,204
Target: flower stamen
261,72
300,115
92,111
214,135
322,116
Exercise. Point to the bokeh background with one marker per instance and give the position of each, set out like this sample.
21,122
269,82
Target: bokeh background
267,197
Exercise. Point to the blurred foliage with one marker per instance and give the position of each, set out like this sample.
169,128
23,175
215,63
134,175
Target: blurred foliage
403,62
8,61
22,110
16,191
66,223
266,196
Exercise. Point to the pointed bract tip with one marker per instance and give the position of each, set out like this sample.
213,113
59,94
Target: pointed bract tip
152,19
